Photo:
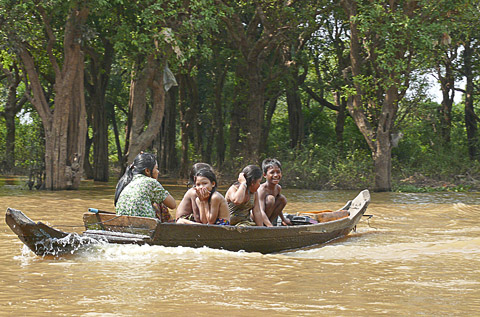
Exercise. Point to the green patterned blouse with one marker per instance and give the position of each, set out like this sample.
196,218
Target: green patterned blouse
137,198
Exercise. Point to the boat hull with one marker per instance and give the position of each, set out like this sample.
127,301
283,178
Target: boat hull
137,230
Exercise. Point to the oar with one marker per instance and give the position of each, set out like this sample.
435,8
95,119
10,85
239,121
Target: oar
96,211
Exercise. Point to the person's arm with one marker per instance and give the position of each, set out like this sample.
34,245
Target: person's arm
282,216
262,194
259,216
195,210
185,206
202,202
158,194
209,212
203,209
170,202
237,194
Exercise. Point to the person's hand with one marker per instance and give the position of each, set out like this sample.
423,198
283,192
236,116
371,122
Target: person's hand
202,193
286,222
242,179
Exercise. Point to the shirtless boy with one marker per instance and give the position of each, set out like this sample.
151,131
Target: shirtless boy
272,202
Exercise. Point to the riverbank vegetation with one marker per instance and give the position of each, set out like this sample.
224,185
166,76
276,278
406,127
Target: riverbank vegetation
345,94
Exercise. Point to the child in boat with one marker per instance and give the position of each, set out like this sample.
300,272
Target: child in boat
138,193
187,209
211,205
271,201
242,199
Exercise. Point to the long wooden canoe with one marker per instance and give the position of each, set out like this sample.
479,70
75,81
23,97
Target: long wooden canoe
106,227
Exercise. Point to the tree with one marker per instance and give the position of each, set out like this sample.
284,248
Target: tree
258,30
64,122
385,39
330,62
100,56
469,30
14,103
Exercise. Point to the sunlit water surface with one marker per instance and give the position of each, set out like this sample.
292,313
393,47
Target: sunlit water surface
418,255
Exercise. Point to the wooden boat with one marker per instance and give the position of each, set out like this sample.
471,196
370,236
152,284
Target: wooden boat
108,227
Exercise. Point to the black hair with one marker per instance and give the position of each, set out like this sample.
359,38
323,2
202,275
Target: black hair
208,173
269,163
195,168
141,162
252,173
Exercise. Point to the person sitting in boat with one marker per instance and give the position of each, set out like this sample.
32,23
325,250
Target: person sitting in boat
138,193
188,209
271,201
211,205
242,199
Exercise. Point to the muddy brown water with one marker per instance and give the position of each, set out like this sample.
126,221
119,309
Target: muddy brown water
418,255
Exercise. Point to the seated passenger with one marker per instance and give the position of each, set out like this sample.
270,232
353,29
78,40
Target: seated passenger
138,191
271,201
242,199
211,205
187,209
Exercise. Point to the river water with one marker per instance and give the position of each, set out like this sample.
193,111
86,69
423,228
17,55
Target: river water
418,255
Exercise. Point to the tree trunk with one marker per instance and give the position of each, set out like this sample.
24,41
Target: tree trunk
9,162
150,77
295,116
87,167
470,117
66,128
378,139
118,146
341,103
194,112
167,138
100,68
255,116
184,119
271,106
218,118
382,159
447,84
13,105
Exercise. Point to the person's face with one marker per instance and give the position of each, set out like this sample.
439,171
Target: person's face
274,175
254,185
204,182
154,173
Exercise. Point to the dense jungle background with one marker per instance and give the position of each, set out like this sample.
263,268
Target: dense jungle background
346,94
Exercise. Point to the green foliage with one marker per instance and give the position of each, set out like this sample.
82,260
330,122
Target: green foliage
196,42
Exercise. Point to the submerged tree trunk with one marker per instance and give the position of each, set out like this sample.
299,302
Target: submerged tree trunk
65,128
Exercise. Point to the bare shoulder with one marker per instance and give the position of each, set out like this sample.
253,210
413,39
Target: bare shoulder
278,189
263,187
217,197
231,191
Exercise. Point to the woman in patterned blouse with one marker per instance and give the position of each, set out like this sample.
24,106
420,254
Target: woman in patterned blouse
138,191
